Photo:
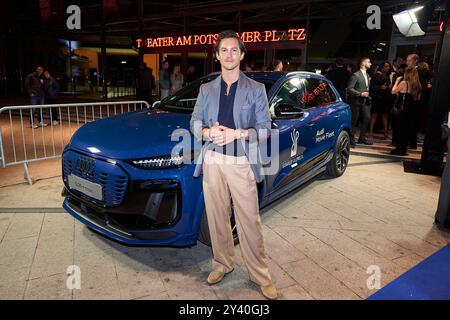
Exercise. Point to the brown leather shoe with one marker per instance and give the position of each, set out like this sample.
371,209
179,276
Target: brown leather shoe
270,292
216,276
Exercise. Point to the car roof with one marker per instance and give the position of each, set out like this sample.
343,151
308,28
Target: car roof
275,75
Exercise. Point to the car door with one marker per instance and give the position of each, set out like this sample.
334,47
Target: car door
291,120
320,100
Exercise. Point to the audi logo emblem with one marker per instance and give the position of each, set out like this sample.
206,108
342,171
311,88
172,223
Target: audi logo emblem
85,165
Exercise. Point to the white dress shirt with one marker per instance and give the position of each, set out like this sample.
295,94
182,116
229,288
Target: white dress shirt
364,72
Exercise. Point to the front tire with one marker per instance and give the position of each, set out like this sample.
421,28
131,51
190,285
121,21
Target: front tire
204,236
338,164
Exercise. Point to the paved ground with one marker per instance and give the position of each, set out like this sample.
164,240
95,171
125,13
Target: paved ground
320,240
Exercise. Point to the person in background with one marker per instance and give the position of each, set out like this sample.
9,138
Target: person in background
145,83
190,74
34,85
51,88
426,78
408,90
380,87
326,69
360,100
399,73
278,65
350,68
398,61
412,61
339,76
249,66
176,79
164,80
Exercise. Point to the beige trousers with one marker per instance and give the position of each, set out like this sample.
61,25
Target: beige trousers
225,176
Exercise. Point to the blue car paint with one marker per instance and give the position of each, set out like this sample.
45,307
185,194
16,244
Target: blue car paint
147,133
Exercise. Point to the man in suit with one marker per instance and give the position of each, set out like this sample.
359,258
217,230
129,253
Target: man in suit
339,76
360,100
231,116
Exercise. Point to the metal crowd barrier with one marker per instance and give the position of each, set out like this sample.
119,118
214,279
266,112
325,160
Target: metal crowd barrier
23,139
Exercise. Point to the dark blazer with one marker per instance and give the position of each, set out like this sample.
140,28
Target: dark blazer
356,86
250,111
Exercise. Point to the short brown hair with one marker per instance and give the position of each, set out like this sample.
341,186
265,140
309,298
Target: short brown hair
362,60
276,62
229,34
415,57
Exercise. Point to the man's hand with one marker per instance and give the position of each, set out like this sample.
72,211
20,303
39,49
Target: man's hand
226,136
364,94
215,131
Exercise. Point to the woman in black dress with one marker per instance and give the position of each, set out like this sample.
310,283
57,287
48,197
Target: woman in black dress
408,91
380,89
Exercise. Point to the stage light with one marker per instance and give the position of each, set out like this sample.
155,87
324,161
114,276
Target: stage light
407,24
414,22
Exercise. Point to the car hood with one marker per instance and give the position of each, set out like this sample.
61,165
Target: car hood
132,135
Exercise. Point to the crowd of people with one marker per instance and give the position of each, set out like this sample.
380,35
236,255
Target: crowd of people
399,94
171,79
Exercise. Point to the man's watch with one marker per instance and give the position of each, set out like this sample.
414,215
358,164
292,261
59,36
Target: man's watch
241,134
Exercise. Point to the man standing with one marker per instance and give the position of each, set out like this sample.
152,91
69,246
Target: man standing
190,74
34,84
145,83
360,100
398,61
339,76
164,80
412,60
231,115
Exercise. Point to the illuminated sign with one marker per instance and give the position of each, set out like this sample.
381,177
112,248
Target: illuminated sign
209,39
308,97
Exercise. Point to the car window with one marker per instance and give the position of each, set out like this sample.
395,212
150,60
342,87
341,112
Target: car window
290,93
184,100
318,93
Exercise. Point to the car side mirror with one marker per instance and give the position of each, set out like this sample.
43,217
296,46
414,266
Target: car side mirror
287,111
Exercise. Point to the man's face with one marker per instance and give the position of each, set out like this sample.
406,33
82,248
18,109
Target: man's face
410,61
230,55
166,65
398,62
367,64
39,70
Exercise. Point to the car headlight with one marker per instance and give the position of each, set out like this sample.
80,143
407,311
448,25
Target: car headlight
159,162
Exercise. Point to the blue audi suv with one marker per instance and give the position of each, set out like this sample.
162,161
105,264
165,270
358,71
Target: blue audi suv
123,180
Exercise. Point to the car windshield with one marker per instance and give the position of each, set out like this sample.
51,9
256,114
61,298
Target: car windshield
184,100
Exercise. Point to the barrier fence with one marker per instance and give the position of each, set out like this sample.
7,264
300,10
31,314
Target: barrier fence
25,138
